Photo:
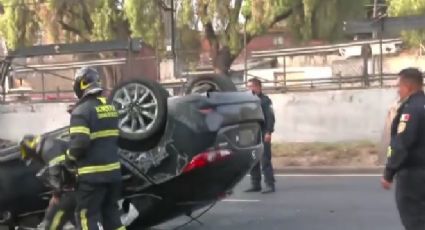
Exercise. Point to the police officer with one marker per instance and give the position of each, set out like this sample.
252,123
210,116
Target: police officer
93,153
406,153
50,153
255,86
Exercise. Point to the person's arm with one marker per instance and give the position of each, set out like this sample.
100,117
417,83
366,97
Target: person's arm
79,134
269,117
407,135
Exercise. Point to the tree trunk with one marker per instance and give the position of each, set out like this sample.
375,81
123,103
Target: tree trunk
366,53
223,61
221,56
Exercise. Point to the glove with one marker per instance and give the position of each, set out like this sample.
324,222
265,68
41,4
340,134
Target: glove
70,166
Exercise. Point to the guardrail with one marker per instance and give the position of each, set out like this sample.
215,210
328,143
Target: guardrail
331,83
275,86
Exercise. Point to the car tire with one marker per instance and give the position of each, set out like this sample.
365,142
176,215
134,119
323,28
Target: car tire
142,111
209,83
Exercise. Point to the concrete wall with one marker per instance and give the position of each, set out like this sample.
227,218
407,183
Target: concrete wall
331,115
19,119
301,117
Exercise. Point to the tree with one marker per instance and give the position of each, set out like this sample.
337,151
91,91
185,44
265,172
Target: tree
307,19
96,20
80,21
19,23
404,8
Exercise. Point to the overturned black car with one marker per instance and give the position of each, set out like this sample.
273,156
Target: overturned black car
179,153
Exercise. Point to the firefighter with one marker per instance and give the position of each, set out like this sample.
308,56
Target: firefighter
50,153
267,129
406,153
93,154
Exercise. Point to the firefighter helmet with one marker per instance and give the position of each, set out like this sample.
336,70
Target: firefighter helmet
30,146
87,81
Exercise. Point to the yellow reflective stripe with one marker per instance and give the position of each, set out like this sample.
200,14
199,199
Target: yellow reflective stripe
121,228
389,152
56,220
83,216
33,143
57,159
71,157
100,168
79,129
104,133
23,152
102,100
84,85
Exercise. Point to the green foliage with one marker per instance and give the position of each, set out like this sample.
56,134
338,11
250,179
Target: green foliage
104,17
19,23
96,20
144,19
186,14
405,8
246,8
80,20
322,19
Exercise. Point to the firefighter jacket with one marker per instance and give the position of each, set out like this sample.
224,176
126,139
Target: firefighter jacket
52,154
93,141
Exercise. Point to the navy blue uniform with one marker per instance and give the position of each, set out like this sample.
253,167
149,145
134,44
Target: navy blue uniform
406,161
266,160
94,152
52,154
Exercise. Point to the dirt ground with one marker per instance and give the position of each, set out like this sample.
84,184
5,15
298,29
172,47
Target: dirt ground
356,154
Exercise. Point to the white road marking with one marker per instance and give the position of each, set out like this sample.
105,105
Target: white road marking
238,200
328,175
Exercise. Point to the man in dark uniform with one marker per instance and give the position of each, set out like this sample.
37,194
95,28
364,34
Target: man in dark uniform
406,153
267,130
93,153
50,153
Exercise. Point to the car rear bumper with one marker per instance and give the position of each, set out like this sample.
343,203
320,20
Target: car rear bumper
201,186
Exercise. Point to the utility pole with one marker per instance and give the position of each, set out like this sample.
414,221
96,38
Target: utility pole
173,35
245,79
375,11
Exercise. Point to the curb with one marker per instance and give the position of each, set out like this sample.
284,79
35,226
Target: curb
330,170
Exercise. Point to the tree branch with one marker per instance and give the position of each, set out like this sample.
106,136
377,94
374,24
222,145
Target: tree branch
164,6
21,39
209,32
86,16
285,14
236,11
71,29
234,15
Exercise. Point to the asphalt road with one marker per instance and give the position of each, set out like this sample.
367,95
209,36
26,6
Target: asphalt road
304,202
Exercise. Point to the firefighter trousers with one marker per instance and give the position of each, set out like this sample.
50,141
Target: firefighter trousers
97,204
61,213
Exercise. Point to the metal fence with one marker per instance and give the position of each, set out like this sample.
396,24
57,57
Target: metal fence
273,87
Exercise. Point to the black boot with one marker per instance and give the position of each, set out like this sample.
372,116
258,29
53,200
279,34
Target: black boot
254,189
268,189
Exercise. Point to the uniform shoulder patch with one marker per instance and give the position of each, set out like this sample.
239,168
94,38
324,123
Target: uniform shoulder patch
405,117
401,127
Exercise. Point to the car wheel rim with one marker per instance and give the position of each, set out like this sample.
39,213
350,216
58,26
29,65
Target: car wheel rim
204,86
137,108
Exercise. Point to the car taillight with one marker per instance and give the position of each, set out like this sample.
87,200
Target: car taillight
205,158
206,110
